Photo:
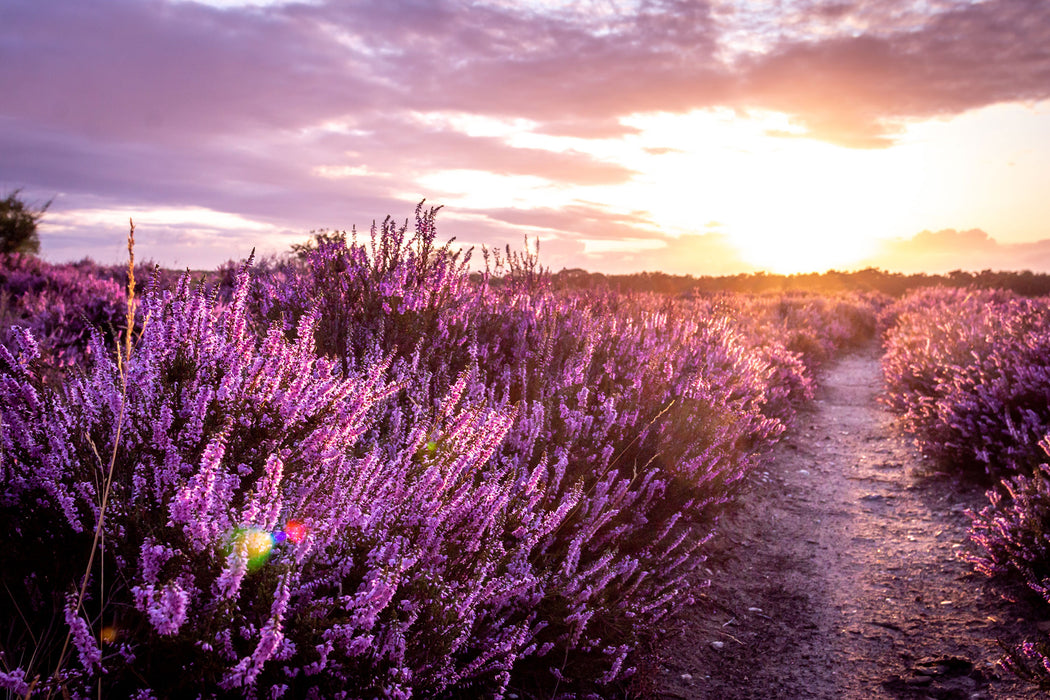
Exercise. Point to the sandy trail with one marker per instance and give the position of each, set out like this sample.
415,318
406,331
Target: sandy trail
842,574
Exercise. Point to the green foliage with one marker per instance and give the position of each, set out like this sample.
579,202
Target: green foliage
18,222
318,239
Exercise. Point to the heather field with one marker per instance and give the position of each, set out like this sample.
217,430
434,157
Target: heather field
760,410
375,467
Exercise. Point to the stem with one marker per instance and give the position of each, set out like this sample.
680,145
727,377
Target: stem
122,357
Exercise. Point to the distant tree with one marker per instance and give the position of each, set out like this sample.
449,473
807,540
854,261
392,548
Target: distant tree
317,239
18,225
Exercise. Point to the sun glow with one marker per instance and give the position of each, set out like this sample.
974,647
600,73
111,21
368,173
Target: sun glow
813,208
785,203
773,199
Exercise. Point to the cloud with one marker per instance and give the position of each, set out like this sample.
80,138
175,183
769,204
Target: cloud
857,90
184,104
170,72
132,71
409,147
949,249
252,109
161,71
692,254
589,236
580,221
588,129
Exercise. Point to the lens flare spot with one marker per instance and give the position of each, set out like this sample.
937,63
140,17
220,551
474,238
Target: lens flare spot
258,544
295,531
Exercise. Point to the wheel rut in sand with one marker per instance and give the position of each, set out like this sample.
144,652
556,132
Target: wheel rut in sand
842,573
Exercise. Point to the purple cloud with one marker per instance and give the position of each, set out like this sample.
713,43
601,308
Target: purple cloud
165,103
949,249
857,90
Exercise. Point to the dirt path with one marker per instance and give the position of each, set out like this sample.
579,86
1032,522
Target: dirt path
841,576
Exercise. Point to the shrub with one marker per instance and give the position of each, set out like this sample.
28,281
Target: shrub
60,304
1011,537
969,371
367,473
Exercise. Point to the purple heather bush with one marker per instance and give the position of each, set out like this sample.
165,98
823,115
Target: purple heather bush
816,326
655,407
368,472
64,304
408,575
60,304
1012,541
969,372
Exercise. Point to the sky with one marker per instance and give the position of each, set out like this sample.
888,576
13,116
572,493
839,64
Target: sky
698,137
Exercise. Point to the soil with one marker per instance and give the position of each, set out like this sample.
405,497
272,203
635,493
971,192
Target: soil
842,574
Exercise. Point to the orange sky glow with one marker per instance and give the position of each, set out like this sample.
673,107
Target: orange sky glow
693,137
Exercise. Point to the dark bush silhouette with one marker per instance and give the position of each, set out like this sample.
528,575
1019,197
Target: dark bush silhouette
18,222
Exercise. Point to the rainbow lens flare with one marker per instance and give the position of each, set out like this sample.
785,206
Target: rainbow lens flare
295,531
259,544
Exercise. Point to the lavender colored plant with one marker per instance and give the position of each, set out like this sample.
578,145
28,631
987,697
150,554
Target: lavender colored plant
1012,543
969,372
370,472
